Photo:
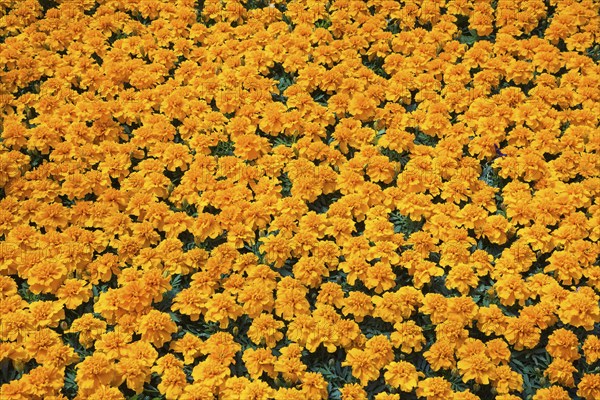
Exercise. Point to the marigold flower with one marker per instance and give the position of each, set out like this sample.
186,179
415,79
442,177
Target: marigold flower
506,380
172,383
157,327
74,292
113,344
463,278
352,391
221,307
561,371
580,309
143,351
104,393
408,336
313,385
434,388
134,373
563,344
402,375
190,302
266,328
477,367
44,381
589,386
591,349
358,304
89,328
363,367
189,345
441,355
510,289
94,372
258,361
522,333
552,392
380,277
211,374
46,276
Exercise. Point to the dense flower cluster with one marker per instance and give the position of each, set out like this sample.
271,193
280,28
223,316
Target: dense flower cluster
306,199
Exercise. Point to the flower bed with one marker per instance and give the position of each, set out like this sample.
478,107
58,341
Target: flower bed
300,200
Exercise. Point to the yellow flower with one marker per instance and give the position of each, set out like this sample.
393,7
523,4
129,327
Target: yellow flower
402,375
477,367
103,393
589,386
463,278
265,328
289,363
563,344
552,393
561,371
580,309
276,249
506,380
330,293
142,351
380,277
352,391
46,276
497,350
221,307
157,327
94,372
566,267
89,328
313,385
74,292
591,349
522,333
358,304
211,374
324,333
44,381
133,372
363,367
259,361
510,289
113,344
434,388
172,383
408,336
191,302
441,355
189,345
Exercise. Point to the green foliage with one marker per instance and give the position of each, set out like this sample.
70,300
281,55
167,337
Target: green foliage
403,224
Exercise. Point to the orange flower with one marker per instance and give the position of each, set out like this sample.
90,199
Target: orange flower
580,309
362,366
157,327
591,349
94,372
589,386
563,344
434,388
440,355
46,276
265,328
74,292
561,371
402,375
477,367
522,333
258,361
